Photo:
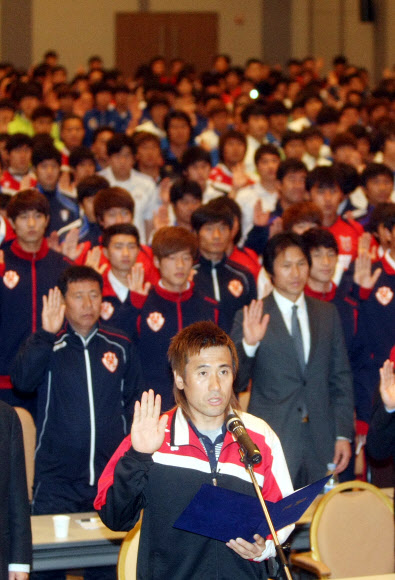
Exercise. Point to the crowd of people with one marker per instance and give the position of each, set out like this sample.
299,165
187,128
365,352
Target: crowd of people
256,198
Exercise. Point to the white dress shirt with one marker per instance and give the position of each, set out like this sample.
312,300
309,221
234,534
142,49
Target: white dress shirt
285,307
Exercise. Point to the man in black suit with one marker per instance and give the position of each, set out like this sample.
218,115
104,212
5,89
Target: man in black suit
15,533
301,379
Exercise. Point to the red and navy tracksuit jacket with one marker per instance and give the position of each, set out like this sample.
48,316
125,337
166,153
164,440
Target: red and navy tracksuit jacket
227,282
376,332
25,278
163,484
118,314
162,315
86,389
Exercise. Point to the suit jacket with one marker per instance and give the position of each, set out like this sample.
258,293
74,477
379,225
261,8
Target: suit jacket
15,532
281,391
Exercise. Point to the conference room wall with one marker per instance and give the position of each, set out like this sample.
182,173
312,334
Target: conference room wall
78,29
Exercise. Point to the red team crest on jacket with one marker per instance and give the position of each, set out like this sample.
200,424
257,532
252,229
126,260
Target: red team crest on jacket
384,295
235,287
345,243
107,310
11,279
110,361
155,321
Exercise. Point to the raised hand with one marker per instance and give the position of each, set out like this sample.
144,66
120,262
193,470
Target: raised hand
161,218
387,384
148,427
136,280
65,182
364,242
261,217
240,178
254,324
52,315
93,260
54,242
164,190
276,227
363,271
70,247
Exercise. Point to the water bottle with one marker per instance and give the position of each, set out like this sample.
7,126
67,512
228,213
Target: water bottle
333,480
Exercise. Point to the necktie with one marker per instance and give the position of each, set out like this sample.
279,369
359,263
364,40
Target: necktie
297,337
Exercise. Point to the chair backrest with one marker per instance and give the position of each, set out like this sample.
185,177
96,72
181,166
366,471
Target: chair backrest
352,531
127,558
29,442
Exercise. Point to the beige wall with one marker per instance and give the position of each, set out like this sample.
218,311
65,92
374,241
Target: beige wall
80,28
328,27
77,29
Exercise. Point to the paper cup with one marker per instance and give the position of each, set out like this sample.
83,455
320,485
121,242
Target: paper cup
61,526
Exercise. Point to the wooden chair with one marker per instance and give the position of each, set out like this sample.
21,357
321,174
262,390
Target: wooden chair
29,442
351,533
127,558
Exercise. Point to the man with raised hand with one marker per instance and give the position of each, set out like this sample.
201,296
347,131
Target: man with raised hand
162,465
301,378
87,378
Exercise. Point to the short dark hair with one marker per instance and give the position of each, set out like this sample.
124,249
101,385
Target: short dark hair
17,140
117,230
189,342
279,243
317,238
224,203
206,214
373,170
110,197
290,166
171,239
276,108
227,136
291,136
303,211
80,154
347,177
312,131
325,176
101,87
327,115
156,100
382,214
46,152
253,110
7,104
27,200
343,140
116,143
141,137
193,155
43,111
70,117
102,129
76,273
89,186
177,115
266,149
183,186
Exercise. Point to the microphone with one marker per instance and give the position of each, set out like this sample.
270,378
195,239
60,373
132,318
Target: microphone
236,426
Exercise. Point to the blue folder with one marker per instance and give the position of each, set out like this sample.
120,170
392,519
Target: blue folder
223,514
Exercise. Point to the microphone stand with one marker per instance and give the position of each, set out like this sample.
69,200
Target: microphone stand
280,552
